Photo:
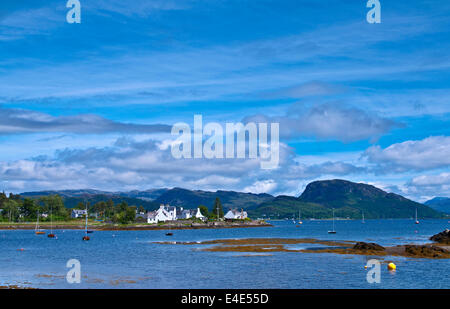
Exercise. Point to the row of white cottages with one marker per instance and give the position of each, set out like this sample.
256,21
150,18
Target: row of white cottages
170,213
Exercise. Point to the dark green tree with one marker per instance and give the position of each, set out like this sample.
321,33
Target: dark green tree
141,209
130,214
11,210
3,199
218,208
122,206
109,212
204,210
29,208
56,205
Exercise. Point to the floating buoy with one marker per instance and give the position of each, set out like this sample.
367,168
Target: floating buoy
391,266
365,266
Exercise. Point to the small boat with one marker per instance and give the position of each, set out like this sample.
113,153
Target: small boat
333,231
299,220
51,235
417,221
89,231
37,230
85,237
169,233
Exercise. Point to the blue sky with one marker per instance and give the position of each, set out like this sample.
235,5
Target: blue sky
89,105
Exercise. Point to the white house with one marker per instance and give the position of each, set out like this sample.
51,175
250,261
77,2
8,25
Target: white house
169,213
234,214
164,213
151,217
77,213
199,215
184,213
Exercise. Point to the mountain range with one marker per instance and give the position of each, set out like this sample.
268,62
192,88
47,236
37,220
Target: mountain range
319,199
441,204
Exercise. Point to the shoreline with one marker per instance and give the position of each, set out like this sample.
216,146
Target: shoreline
138,227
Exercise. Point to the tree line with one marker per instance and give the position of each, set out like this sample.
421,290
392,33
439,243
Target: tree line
14,208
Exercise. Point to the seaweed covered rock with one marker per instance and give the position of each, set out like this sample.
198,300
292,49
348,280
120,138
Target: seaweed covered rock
426,251
443,237
368,246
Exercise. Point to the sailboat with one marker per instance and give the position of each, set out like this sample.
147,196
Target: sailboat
169,233
333,231
417,221
86,237
363,218
51,235
37,230
299,220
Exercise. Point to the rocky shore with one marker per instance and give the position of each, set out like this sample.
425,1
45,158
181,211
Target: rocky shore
443,237
268,245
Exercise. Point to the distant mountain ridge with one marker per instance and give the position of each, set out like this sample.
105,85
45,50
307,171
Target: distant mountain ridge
349,199
73,197
441,204
229,199
151,199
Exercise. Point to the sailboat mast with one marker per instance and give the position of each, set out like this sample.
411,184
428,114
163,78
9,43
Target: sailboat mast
51,221
85,229
333,219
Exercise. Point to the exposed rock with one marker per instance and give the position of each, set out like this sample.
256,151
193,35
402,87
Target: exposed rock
368,246
426,251
443,237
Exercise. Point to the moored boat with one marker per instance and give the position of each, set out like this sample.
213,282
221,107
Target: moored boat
37,230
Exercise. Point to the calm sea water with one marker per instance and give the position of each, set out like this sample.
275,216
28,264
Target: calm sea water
130,259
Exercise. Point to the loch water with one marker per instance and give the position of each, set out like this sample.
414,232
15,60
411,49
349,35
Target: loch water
134,259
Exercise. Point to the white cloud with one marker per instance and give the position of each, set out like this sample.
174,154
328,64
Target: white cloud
429,153
426,186
262,186
331,122
431,180
132,164
14,121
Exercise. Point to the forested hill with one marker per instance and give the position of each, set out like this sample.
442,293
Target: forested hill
348,199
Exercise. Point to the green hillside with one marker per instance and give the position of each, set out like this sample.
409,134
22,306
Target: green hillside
441,204
229,199
349,199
